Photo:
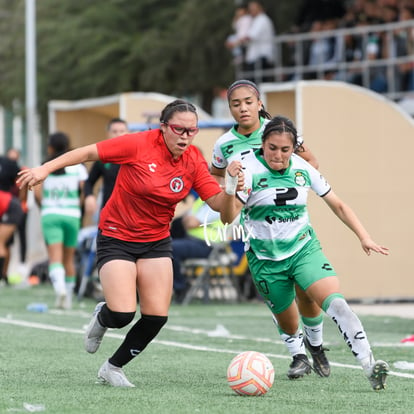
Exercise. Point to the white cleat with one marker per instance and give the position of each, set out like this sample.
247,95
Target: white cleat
60,302
112,375
95,331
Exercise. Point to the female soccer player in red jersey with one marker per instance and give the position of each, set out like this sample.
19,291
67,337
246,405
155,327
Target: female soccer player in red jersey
158,169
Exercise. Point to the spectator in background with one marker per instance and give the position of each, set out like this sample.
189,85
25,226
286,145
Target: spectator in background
402,45
8,174
14,154
358,48
60,204
107,171
318,10
377,74
241,25
10,216
199,222
260,52
323,51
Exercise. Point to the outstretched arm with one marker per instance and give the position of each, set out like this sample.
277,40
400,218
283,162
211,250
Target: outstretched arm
226,201
347,216
33,176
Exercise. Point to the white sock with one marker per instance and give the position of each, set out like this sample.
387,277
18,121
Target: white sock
69,294
314,333
294,343
57,277
352,331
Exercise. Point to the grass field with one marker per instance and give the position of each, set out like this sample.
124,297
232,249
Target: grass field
43,366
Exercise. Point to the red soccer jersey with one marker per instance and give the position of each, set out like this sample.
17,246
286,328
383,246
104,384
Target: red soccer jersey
149,185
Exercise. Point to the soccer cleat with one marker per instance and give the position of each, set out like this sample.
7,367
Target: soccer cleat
112,375
299,367
378,375
60,301
95,331
320,362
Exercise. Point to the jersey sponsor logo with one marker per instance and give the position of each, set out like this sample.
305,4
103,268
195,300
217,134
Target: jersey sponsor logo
152,167
176,184
273,219
285,194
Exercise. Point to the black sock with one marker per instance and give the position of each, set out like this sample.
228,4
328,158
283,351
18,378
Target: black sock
2,273
137,338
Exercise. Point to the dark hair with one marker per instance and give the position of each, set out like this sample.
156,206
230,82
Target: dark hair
115,121
59,143
178,105
248,84
279,125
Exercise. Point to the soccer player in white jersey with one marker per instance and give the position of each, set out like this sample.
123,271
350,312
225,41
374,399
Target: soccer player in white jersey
59,201
283,248
245,136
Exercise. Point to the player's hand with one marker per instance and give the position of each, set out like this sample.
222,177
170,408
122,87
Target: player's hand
368,245
234,178
31,177
235,168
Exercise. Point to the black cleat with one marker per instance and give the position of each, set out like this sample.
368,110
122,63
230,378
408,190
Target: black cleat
299,367
320,362
379,375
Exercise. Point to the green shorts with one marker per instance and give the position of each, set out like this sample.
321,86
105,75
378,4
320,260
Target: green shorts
275,280
61,229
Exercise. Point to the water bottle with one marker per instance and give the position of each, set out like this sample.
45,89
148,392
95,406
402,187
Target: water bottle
37,307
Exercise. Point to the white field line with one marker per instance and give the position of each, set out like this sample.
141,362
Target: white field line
55,328
273,341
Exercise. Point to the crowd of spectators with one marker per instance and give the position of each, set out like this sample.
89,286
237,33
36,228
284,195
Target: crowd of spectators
315,16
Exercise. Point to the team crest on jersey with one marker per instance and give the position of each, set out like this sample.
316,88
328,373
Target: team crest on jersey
300,179
176,184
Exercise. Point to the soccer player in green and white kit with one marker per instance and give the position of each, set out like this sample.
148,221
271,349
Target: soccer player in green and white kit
59,201
251,118
283,248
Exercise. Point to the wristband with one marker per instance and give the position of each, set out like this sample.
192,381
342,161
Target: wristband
231,184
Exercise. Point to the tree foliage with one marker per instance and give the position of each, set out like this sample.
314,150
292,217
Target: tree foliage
90,48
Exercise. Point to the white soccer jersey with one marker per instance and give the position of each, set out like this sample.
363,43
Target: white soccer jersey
61,192
275,214
234,146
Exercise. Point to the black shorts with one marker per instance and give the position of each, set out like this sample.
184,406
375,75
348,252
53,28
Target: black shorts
109,248
14,214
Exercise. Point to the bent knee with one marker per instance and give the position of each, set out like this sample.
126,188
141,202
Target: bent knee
112,319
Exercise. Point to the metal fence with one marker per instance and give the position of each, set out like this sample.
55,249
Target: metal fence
395,47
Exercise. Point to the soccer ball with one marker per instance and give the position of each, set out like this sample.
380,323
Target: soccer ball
250,373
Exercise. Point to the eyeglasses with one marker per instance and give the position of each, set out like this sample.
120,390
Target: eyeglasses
180,130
